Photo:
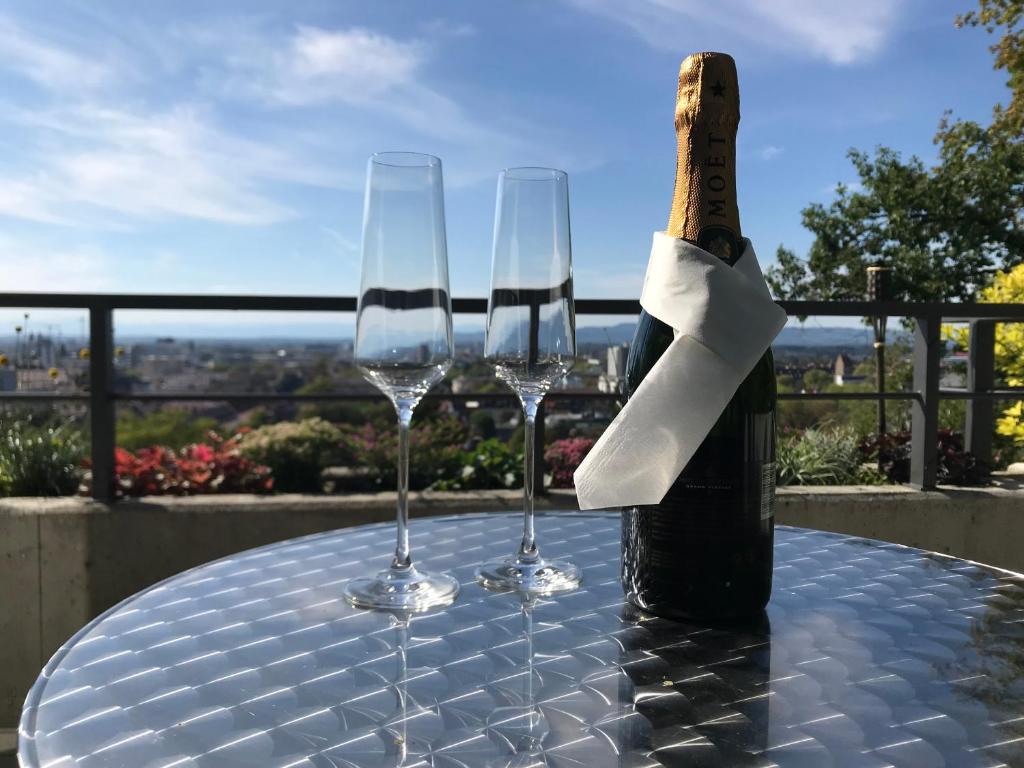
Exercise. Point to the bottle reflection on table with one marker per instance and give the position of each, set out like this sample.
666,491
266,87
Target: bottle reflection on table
693,694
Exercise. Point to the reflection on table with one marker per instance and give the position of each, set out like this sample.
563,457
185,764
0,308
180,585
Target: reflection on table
870,654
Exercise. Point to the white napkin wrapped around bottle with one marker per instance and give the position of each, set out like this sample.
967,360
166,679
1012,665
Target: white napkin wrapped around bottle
724,319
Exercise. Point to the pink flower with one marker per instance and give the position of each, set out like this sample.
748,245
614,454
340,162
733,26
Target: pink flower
202,452
564,456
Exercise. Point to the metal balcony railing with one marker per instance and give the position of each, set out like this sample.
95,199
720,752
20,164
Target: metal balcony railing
925,394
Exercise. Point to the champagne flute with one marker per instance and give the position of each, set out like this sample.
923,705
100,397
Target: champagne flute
531,339
403,339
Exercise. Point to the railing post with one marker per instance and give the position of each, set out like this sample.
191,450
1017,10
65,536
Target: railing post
980,378
101,404
538,452
924,425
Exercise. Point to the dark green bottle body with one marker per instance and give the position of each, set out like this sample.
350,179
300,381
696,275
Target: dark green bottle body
705,552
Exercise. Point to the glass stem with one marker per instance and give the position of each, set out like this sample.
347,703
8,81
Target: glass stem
402,636
528,547
528,631
402,555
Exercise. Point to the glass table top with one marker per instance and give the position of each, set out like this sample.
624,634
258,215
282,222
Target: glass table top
871,655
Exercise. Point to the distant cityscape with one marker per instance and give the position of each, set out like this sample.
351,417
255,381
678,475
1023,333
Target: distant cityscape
218,369
35,360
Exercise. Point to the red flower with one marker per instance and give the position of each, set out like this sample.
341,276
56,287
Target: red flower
200,468
202,452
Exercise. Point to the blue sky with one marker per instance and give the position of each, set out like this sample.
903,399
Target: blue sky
221,147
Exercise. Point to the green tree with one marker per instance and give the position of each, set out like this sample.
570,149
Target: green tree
173,427
816,380
1004,16
942,229
340,411
481,424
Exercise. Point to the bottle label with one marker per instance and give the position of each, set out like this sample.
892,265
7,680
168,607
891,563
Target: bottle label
704,499
768,474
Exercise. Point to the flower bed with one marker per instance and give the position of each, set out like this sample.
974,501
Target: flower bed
564,456
214,467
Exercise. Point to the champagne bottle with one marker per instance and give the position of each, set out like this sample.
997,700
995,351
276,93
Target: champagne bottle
705,551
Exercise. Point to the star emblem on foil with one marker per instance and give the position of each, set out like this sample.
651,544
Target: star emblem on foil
718,89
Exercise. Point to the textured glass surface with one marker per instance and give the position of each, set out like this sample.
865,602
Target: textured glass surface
877,655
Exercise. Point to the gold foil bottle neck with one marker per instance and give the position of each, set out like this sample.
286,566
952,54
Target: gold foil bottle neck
708,89
704,207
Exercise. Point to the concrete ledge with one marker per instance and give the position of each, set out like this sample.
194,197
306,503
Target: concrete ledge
63,561
350,509
981,524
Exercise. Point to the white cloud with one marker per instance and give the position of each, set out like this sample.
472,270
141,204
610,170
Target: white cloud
47,64
313,66
96,157
352,62
382,83
769,152
838,31
211,130
30,198
27,265
113,164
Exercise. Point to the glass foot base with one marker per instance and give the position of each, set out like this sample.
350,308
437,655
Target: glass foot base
540,576
405,589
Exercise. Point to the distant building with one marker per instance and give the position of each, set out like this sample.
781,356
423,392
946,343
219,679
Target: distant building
346,350
188,381
617,360
40,351
163,357
615,369
843,370
33,379
953,371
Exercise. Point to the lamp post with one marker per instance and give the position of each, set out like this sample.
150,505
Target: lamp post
26,350
17,355
877,290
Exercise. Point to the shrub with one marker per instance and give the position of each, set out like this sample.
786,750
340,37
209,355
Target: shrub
1011,423
217,466
481,423
817,380
491,464
340,412
823,456
169,426
39,461
296,452
435,452
955,465
563,456
1006,287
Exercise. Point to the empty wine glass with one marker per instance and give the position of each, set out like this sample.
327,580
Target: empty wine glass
531,338
403,339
